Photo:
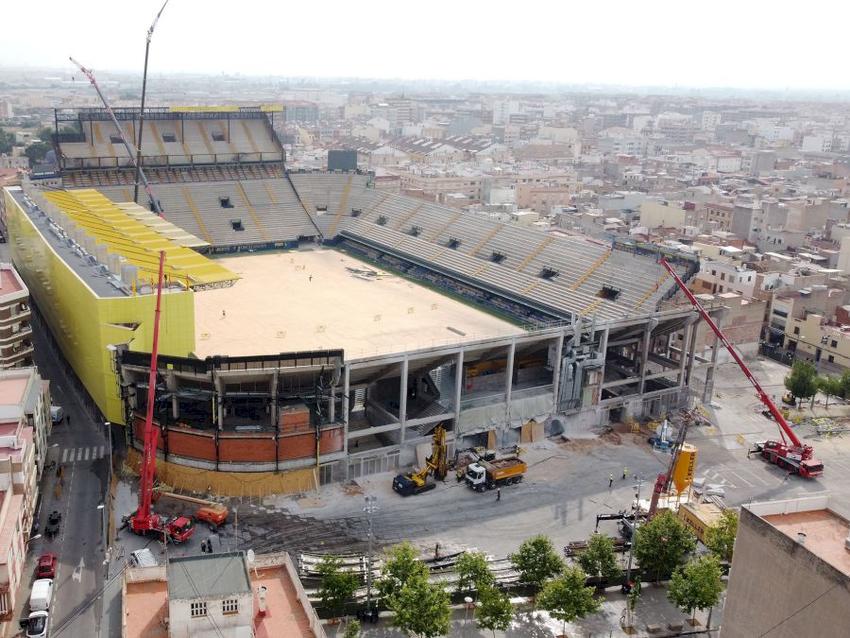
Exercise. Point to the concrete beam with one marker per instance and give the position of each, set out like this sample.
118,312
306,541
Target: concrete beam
402,396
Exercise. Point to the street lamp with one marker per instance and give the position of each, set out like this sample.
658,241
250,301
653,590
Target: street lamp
635,513
370,508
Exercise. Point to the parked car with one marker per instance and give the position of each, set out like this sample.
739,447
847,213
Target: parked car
41,595
53,521
46,566
37,624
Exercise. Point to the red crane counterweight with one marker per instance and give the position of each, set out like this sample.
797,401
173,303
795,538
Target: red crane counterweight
790,453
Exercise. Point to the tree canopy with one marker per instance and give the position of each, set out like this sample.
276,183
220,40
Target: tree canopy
421,609
7,141
720,538
352,629
536,560
567,598
494,610
697,585
402,564
473,573
662,544
802,382
336,586
599,558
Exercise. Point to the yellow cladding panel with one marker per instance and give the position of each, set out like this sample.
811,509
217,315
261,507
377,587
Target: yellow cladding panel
84,324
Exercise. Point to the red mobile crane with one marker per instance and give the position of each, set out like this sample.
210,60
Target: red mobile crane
790,453
144,520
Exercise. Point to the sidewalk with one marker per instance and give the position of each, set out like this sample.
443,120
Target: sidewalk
653,608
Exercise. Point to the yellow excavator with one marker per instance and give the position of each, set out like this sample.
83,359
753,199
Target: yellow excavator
436,464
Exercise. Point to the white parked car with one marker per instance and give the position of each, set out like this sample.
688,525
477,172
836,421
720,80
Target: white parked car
37,624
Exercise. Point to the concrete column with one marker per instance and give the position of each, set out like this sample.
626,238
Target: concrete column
603,348
332,406
171,385
402,396
556,374
691,349
708,390
509,382
346,389
644,352
219,390
273,408
458,386
683,353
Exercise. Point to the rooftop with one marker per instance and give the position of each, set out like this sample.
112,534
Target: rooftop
10,282
208,576
825,530
305,300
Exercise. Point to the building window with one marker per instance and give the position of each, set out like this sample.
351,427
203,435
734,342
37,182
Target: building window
797,330
834,343
198,610
230,606
831,359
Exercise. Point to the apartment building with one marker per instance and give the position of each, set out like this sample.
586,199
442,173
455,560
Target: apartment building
15,329
24,428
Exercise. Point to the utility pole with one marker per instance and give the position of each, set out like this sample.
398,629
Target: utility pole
627,588
370,508
142,110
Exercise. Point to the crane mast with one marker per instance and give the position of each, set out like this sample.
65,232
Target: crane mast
144,520
790,453
90,75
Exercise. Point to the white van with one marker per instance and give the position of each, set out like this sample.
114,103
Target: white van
143,558
42,593
56,413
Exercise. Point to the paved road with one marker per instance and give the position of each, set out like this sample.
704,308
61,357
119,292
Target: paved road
79,447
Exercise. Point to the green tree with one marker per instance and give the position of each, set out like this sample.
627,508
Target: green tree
831,387
421,609
567,598
494,610
599,558
7,141
536,561
844,380
45,134
36,152
401,565
336,587
662,544
352,629
802,382
720,538
473,573
697,585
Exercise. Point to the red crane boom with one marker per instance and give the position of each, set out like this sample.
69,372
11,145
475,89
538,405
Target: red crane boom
143,520
795,456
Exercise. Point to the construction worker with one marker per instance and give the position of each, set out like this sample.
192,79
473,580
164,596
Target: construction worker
610,480
625,472
498,494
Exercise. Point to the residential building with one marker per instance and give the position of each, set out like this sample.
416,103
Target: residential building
790,575
717,276
542,198
215,595
15,314
24,428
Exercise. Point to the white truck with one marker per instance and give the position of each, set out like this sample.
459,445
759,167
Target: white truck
41,595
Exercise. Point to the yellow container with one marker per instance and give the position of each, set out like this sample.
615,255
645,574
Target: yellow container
683,473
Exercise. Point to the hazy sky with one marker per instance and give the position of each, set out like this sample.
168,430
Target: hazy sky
742,43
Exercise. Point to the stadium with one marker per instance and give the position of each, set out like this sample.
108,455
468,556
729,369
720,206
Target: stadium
316,328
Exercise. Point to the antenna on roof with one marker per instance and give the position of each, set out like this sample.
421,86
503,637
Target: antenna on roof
90,75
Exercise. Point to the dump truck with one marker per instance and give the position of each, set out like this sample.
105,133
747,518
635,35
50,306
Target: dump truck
488,475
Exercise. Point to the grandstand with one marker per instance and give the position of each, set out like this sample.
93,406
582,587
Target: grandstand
369,312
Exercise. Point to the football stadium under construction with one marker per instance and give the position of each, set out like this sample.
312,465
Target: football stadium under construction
316,328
